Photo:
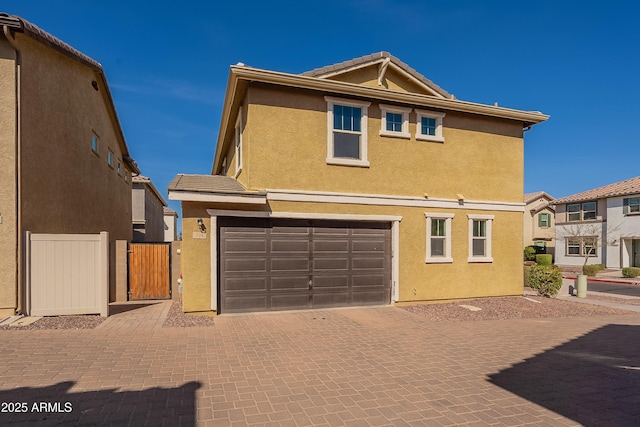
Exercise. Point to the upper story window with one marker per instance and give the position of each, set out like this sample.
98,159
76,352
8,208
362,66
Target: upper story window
429,126
395,121
110,158
238,142
544,220
631,205
119,169
347,132
438,237
94,143
581,211
225,168
480,227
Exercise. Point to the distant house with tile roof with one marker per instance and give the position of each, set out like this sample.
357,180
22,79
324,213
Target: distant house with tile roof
539,222
170,224
612,214
359,183
147,211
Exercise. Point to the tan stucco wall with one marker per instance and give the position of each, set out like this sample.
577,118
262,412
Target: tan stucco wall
195,259
66,187
392,80
481,158
7,179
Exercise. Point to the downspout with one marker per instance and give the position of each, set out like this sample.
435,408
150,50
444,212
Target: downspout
18,163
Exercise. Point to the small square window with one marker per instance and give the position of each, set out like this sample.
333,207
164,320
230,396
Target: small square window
395,121
429,126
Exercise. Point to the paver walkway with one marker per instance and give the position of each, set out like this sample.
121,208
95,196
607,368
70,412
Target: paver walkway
353,367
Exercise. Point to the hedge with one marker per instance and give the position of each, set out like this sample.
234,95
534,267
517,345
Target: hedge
544,259
630,272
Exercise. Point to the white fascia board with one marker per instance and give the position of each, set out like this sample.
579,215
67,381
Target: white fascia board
192,196
303,215
386,200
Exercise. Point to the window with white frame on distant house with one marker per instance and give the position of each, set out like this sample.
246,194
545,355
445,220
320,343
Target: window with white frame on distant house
581,211
94,143
110,158
581,246
544,220
631,205
480,227
438,237
238,142
429,126
347,132
395,121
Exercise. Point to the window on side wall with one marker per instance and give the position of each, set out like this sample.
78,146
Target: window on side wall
480,227
581,247
347,132
94,143
631,205
581,211
110,158
438,238
395,121
429,126
238,142
544,220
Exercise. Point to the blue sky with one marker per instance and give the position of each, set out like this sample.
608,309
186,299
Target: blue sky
167,65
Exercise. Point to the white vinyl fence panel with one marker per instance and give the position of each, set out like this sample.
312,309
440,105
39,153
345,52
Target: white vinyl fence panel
68,274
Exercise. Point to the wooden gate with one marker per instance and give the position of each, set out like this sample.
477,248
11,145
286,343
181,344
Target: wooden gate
149,271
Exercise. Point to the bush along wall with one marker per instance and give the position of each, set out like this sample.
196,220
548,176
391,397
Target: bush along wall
630,272
544,259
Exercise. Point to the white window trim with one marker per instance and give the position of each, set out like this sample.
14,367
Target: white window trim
237,142
487,256
405,121
362,162
447,239
431,115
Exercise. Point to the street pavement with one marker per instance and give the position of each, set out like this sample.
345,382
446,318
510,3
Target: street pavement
376,366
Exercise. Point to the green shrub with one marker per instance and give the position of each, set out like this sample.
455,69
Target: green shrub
527,269
592,270
544,259
546,279
630,272
529,253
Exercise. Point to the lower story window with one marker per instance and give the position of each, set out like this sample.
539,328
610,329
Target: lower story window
480,227
438,237
582,246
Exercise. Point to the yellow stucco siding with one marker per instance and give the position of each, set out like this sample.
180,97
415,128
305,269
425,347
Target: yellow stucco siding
7,179
60,112
195,259
481,158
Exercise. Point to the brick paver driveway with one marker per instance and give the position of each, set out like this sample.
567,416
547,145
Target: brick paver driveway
377,366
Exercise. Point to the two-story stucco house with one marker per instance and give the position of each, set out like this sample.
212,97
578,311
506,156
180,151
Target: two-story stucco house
354,184
612,214
147,211
539,222
64,163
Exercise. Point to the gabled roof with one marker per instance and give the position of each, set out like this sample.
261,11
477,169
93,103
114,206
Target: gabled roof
376,58
18,24
622,188
530,197
144,180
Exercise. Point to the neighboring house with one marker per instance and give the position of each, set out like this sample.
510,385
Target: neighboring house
170,224
147,211
64,163
539,223
354,184
612,214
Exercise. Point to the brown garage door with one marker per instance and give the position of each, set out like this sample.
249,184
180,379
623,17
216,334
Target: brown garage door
281,264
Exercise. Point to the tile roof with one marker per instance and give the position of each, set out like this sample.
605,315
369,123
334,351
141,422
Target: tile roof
167,211
336,68
206,184
622,188
530,197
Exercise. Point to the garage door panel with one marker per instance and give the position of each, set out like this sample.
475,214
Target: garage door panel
245,264
290,301
233,245
290,246
334,264
326,230
290,283
375,263
330,246
246,284
245,303
359,280
290,264
373,297
331,281
377,246
280,230
330,299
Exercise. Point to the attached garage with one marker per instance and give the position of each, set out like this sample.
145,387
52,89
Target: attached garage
268,264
